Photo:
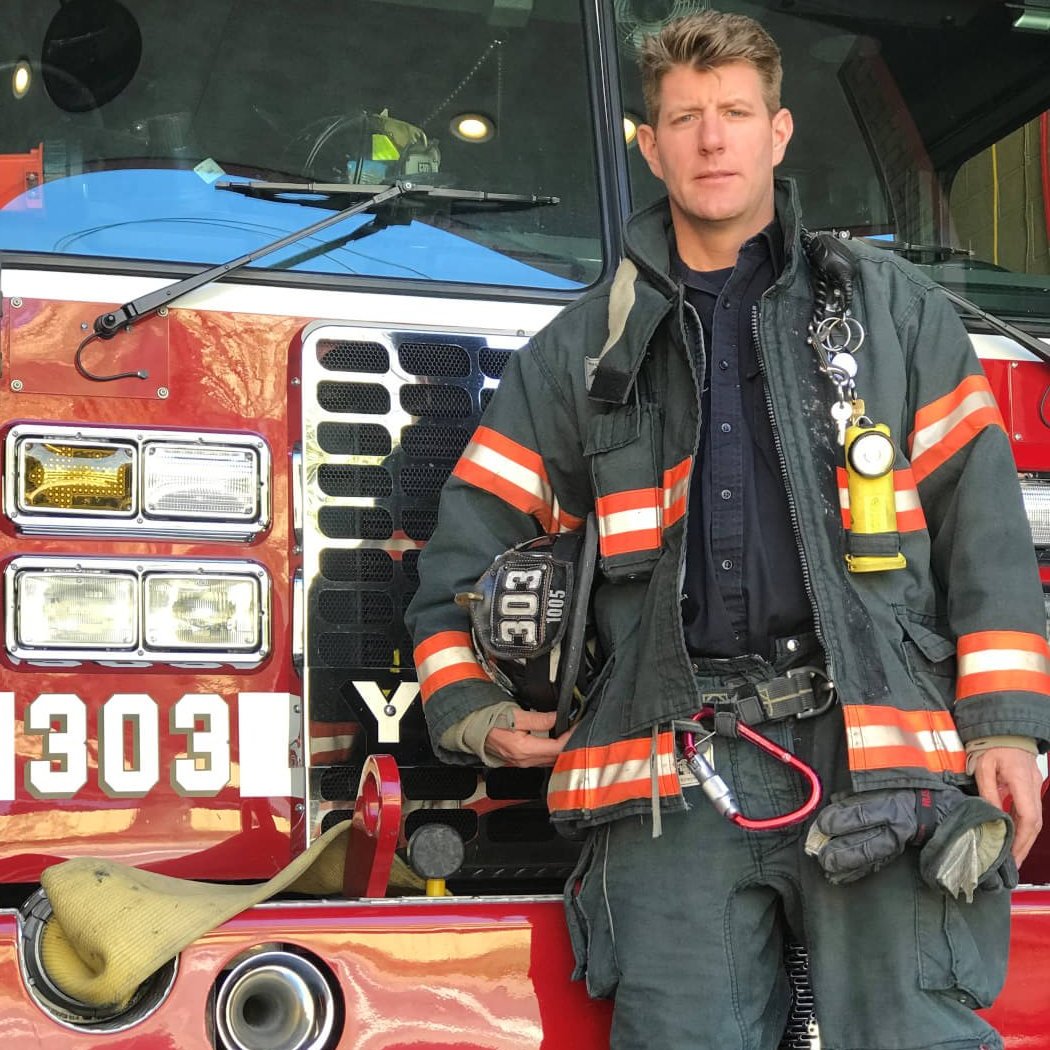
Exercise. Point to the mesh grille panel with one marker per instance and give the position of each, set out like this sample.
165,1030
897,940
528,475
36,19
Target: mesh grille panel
465,821
424,482
419,523
355,650
363,566
363,607
492,362
343,479
370,399
410,566
352,357
434,359
417,439
452,401
354,439
364,523
486,397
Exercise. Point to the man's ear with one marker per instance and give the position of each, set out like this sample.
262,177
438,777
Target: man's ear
783,125
646,140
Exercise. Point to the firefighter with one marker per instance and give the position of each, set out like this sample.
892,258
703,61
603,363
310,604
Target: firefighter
810,524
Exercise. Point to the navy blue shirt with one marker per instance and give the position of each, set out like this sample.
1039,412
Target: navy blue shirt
743,577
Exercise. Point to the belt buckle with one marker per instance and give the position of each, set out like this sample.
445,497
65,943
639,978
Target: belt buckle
829,685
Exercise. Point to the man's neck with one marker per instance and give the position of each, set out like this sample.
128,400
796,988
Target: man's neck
707,246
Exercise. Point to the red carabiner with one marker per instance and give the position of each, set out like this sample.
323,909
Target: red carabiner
720,794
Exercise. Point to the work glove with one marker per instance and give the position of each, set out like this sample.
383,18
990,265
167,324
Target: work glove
964,841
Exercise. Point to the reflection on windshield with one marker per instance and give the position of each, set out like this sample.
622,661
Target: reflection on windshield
895,108
120,120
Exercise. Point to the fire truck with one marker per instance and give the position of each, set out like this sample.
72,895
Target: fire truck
261,268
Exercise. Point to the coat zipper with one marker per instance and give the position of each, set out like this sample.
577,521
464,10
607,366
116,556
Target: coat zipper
807,579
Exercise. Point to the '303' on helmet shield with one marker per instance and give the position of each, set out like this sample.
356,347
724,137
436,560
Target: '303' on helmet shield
528,617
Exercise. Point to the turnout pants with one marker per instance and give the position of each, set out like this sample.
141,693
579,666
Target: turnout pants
687,931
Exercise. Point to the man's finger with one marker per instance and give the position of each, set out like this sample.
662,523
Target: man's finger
518,748
534,721
988,781
1028,815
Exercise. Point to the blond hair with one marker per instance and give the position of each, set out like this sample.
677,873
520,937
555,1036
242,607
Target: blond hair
704,41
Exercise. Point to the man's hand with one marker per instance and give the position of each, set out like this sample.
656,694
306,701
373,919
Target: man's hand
1010,771
518,747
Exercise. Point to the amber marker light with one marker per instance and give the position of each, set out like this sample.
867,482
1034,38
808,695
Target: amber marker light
77,478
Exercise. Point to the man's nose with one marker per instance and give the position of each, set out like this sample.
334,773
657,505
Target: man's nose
710,135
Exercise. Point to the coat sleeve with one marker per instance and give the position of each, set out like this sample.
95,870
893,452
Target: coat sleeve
981,543
521,475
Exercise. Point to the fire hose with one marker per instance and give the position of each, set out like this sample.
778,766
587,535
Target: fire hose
721,795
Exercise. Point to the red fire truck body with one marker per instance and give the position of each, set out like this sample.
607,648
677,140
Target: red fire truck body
211,517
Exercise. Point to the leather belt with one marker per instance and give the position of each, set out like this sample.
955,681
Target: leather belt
802,692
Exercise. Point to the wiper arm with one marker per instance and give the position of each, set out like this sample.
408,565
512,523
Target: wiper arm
321,194
940,252
108,324
1037,346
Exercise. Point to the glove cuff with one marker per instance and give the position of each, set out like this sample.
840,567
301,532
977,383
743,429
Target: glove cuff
972,840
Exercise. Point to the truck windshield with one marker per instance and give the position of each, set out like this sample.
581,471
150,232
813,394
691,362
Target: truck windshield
117,120
920,125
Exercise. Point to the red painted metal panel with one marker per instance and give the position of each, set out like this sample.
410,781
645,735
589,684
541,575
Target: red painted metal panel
227,373
449,973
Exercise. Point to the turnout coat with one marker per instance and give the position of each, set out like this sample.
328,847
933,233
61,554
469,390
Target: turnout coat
601,413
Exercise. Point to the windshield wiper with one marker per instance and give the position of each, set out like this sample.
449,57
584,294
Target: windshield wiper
1037,346
108,324
944,251
940,252
321,194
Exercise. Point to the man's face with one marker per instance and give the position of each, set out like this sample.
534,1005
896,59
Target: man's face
715,146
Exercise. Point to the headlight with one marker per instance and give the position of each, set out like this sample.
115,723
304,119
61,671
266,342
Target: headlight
1036,495
109,482
76,610
186,481
121,611
216,612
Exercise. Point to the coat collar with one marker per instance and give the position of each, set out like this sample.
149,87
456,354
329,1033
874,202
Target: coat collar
644,291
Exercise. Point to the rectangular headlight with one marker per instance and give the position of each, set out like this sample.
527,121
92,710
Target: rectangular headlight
107,481
1036,495
212,612
190,481
135,611
76,610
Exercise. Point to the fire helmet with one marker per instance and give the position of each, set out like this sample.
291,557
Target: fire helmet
529,620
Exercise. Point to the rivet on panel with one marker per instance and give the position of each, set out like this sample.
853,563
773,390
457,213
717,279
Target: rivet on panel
162,392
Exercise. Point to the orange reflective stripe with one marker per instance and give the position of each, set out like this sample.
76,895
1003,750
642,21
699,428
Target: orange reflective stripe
879,737
634,520
910,517
593,778
629,521
445,658
1002,661
946,425
676,490
516,474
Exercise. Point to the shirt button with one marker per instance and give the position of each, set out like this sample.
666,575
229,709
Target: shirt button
727,493
726,428
726,304
727,565
723,365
